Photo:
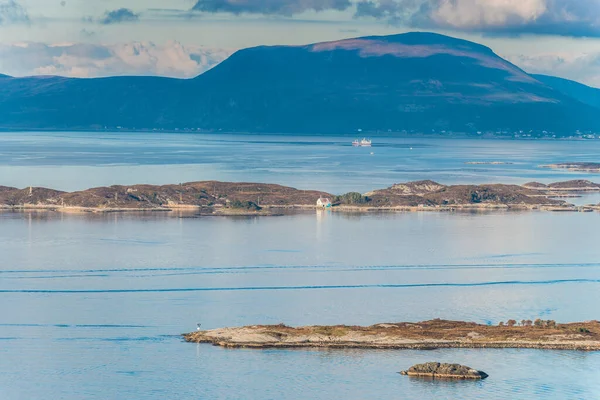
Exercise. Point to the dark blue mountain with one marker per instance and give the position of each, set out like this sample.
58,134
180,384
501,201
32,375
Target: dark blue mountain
415,81
585,94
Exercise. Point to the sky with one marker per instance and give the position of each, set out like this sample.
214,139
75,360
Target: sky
183,38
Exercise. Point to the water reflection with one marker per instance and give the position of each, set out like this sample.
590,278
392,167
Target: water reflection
100,298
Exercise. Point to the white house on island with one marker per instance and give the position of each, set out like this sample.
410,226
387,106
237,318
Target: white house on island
324,202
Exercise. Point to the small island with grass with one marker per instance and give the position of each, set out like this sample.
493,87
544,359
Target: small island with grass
575,166
488,163
434,334
235,198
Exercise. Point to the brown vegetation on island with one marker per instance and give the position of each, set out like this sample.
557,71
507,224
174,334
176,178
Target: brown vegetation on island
406,335
229,198
432,194
577,185
211,196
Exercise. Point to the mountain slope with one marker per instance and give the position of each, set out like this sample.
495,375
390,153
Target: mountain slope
416,81
583,93
65,103
411,81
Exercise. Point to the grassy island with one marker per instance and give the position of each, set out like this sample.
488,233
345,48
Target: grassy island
230,198
435,334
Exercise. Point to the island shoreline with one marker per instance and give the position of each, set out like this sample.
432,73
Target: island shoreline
426,335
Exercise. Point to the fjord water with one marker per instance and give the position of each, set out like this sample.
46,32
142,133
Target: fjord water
92,305
76,161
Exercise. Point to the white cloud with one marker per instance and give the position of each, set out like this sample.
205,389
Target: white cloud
469,14
89,60
575,18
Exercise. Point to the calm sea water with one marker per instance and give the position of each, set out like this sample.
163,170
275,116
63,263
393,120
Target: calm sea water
74,161
92,305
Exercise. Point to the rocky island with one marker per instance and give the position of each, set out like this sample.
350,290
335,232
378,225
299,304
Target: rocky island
435,334
436,370
575,166
574,186
488,163
229,198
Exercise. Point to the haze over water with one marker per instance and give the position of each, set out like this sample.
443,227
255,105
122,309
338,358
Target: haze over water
93,304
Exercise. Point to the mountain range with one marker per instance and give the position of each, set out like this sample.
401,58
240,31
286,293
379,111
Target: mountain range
412,82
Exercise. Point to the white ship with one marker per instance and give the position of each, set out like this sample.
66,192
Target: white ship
362,143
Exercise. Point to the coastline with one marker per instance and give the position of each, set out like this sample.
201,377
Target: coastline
426,335
316,133
283,210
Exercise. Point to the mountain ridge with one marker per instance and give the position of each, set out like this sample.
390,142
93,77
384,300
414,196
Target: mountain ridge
414,82
584,93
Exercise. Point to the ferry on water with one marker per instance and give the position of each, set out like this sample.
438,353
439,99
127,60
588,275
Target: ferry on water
362,143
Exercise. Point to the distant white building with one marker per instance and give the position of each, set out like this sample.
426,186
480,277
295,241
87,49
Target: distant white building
324,202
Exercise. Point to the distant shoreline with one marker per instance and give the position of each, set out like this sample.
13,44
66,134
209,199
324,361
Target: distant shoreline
377,134
426,335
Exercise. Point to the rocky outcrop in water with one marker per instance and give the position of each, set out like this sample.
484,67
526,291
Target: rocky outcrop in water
444,371
576,166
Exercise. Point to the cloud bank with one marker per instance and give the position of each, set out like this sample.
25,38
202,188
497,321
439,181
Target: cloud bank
89,60
503,17
575,18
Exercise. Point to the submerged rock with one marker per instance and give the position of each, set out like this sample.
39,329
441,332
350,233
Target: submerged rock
444,371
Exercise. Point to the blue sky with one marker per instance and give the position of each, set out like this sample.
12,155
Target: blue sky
185,37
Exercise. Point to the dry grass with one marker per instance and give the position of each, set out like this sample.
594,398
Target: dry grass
434,334
335,331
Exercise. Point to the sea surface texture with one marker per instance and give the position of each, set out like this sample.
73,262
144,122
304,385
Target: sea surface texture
92,305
